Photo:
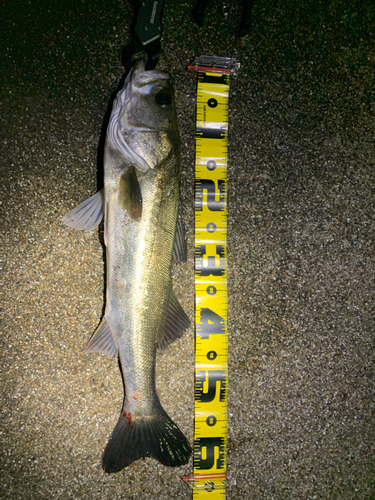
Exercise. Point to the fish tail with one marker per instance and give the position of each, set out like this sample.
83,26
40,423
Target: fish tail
154,436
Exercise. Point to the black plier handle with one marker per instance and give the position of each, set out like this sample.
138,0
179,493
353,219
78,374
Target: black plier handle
146,30
245,26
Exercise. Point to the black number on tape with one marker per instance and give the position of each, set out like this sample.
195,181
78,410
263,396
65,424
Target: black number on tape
211,355
208,185
213,376
210,324
209,443
211,165
211,420
211,290
211,227
211,268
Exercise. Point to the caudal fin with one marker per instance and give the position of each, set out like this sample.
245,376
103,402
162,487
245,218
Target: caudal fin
155,436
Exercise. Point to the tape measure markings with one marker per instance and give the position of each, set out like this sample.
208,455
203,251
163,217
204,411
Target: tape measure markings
211,292
211,351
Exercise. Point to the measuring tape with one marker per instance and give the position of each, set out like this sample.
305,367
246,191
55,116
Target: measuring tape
211,352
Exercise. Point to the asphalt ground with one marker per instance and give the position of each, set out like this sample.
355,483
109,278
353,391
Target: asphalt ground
300,249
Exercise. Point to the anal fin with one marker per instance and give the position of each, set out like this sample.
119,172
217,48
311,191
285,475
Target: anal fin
102,341
176,323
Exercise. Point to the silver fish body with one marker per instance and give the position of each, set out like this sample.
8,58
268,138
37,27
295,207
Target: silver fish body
141,210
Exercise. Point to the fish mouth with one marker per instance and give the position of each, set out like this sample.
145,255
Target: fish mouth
144,81
139,65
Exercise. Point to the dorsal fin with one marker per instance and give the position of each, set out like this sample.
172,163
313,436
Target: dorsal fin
179,245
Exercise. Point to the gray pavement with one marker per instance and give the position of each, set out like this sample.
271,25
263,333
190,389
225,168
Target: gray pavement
300,250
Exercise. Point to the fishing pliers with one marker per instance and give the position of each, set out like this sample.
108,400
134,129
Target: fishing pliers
147,29
245,26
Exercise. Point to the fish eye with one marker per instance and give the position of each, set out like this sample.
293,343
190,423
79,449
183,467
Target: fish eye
163,99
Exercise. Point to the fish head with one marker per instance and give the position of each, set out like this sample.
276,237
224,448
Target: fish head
143,123
151,103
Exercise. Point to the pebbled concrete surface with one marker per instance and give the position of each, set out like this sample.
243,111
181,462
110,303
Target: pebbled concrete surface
300,250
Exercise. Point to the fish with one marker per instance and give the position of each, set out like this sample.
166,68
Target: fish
143,236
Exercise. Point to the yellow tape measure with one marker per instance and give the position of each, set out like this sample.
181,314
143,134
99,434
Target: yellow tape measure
211,371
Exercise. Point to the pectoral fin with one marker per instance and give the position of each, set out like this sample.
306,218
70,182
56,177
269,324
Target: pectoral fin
130,196
88,214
